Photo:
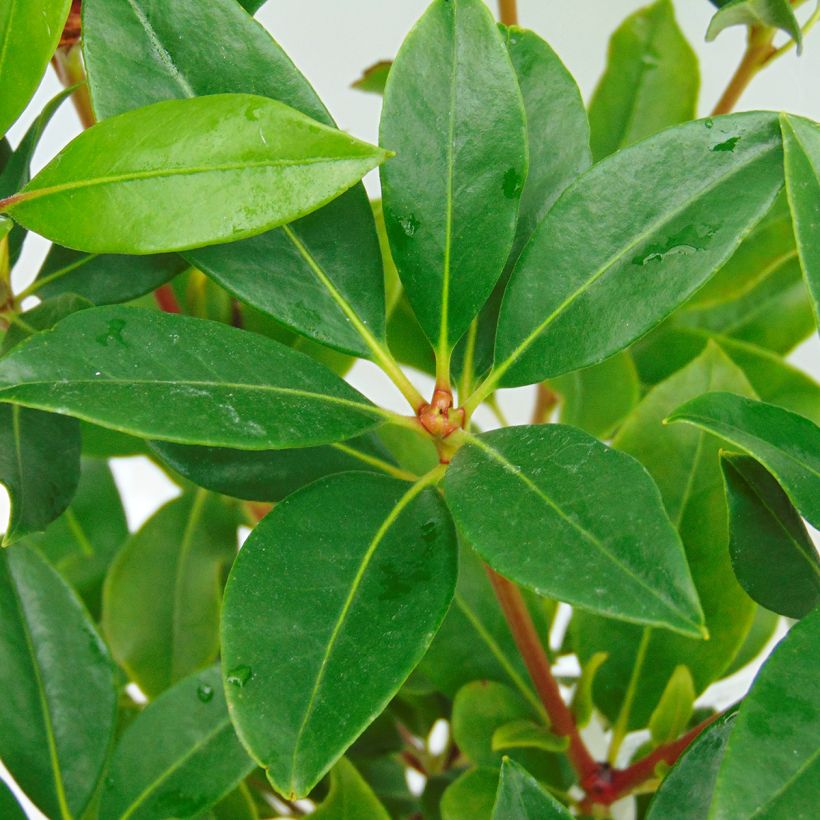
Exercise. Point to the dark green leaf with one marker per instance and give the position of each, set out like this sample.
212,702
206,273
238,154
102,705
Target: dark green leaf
42,317
158,375
757,639
179,757
460,168
223,168
374,77
170,572
58,706
10,809
779,723
29,33
651,81
520,796
773,13
674,709
471,796
556,510
786,444
634,236
350,797
772,554
380,584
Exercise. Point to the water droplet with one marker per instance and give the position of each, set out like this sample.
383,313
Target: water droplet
409,224
239,676
726,145
513,183
429,530
691,239
114,334
709,122
254,114
205,692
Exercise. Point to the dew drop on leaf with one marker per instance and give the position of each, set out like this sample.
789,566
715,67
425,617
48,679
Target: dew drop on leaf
409,224
114,334
709,122
512,183
239,676
726,145
205,692
429,531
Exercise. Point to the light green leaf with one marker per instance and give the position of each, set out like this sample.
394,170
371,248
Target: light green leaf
471,796
786,444
350,797
773,556
757,639
170,377
786,786
801,147
29,34
554,509
634,236
772,13
222,167
583,703
59,705
524,734
651,81
460,167
179,757
674,709
374,77
170,572
380,584
520,796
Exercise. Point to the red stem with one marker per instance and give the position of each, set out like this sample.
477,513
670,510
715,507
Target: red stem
167,299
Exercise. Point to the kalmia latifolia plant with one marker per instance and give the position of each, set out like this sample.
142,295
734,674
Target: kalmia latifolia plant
515,621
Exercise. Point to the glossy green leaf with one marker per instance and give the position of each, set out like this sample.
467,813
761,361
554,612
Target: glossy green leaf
10,809
29,34
634,236
460,167
521,796
381,583
223,167
179,757
773,556
786,786
558,511
674,709
170,572
650,82
685,466
39,466
42,317
757,639
773,13
82,542
471,796
238,805
524,734
350,797
224,388
58,708
801,147
686,791
309,275
786,444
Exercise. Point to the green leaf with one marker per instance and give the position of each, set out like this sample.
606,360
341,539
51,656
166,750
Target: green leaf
801,147
10,809
524,734
380,584
786,444
460,167
786,686
637,247
42,317
757,639
773,13
222,167
651,81
350,797
686,791
684,464
471,796
313,273
29,34
59,705
554,509
521,796
39,466
773,556
238,805
82,542
374,77
170,572
674,709
125,368
178,757
583,703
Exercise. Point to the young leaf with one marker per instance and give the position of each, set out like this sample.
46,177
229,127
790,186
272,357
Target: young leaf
171,573
524,734
651,81
58,710
460,166
179,757
554,509
29,34
39,466
583,703
309,275
774,13
521,796
801,147
772,554
222,167
170,377
786,444
674,709
350,797
686,791
786,686
637,247
380,585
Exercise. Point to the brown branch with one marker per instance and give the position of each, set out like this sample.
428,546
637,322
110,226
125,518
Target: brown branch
508,12
545,401
758,52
